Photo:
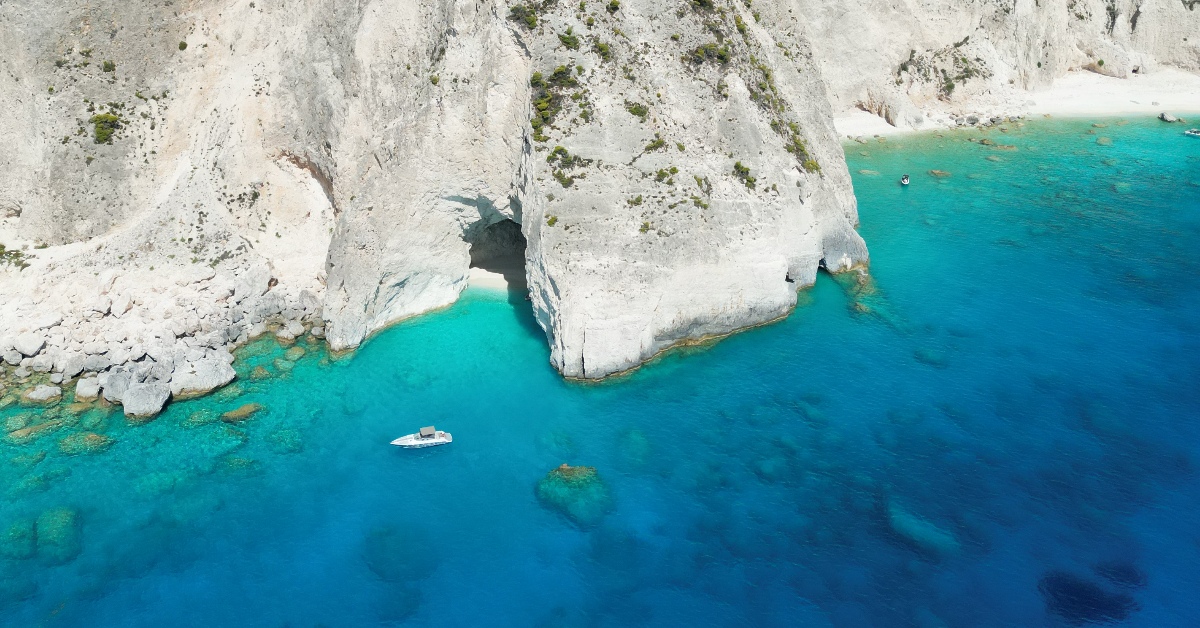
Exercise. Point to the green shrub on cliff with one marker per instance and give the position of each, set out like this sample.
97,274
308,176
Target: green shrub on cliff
570,40
637,109
106,125
743,173
707,52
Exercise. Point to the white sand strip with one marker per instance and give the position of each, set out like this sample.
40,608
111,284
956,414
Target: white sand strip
1079,93
480,278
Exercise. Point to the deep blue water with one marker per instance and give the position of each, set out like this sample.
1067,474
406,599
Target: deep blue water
998,428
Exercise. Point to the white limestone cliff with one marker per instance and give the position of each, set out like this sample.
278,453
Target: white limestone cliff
314,164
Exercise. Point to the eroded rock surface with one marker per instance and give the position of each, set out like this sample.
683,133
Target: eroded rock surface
181,178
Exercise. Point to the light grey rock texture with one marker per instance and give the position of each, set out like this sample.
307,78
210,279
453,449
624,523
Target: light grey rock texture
145,400
195,378
42,394
889,57
87,389
29,343
115,383
332,163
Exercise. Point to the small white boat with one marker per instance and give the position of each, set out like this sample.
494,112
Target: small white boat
1192,132
427,437
904,180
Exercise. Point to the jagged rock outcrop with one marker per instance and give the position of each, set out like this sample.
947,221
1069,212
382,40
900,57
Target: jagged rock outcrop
202,172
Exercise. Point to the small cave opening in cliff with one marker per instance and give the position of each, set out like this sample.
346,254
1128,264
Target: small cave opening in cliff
498,262
498,257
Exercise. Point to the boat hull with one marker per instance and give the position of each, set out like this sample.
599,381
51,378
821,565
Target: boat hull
414,442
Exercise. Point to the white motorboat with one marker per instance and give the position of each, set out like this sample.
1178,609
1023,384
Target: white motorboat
427,437
1192,132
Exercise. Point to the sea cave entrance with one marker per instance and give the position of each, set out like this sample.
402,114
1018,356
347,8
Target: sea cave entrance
498,258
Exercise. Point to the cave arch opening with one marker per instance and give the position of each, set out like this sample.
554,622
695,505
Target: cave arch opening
498,262
498,254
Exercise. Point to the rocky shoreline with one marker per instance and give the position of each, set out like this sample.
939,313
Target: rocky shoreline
128,347
667,173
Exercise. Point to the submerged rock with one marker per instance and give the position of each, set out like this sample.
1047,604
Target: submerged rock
286,441
84,443
18,540
576,492
39,482
396,554
58,535
241,466
200,417
242,413
1121,574
15,589
920,533
26,461
399,603
94,418
295,353
1080,601
31,433
940,174
16,422
260,372
635,448
932,357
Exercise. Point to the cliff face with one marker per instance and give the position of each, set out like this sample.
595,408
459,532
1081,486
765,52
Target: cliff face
893,58
202,170
685,178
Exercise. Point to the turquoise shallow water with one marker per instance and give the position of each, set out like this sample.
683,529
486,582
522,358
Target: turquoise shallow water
998,429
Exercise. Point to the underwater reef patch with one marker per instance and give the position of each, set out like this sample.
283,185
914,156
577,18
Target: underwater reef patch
1079,601
577,493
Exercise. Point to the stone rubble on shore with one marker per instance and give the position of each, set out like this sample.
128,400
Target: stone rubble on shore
152,346
42,394
145,399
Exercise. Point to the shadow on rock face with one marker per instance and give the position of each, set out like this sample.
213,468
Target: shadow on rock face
1079,601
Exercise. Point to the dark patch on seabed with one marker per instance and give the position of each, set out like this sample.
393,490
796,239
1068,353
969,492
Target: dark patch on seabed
1080,601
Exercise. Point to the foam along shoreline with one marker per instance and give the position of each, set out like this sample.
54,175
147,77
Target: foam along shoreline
1078,93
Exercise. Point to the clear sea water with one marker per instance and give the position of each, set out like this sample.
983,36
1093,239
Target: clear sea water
999,428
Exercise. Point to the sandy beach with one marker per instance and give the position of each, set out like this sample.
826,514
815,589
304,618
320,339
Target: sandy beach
502,279
480,278
1079,93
